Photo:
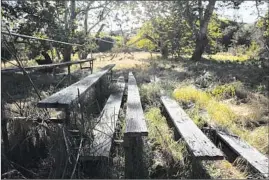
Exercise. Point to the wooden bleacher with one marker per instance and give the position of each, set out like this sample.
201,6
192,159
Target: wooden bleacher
54,65
257,160
136,128
67,96
104,130
197,142
135,120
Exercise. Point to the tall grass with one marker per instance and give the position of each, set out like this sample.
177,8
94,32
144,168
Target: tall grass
221,115
223,170
161,135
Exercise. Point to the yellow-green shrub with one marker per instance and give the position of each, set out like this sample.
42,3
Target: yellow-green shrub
223,91
259,139
228,57
190,93
218,112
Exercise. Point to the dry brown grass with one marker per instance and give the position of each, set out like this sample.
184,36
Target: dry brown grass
123,60
223,170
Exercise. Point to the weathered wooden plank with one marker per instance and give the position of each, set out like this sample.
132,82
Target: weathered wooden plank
198,143
68,95
46,66
135,120
256,159
104,130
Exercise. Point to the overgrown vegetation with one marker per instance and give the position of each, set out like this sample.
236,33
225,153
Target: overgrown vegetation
215,67
220,115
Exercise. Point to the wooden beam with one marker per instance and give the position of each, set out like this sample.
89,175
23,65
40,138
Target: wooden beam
135,120
198,143
104,130
68,95
46,66
256,159
136,128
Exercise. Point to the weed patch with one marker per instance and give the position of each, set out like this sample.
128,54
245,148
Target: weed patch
150,94
221,115
224,91
228,57
173,152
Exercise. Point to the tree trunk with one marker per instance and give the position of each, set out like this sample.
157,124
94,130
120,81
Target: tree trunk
86,18
67,49
67,53
201,43
201,37
47,58
164,51
73,16
66,15
58,54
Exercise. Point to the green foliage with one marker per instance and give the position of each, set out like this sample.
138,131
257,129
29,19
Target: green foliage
225,56
195,115
150,94
140,41
253,50
214,32
263,24
219,113
224,91
161,135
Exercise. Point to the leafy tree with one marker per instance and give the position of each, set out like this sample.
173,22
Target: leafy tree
57,20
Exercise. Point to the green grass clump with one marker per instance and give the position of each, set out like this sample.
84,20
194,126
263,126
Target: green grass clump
228,57
259,139
197,118
222,170
150,94
221,115
219,112
191,94
224,91
161,135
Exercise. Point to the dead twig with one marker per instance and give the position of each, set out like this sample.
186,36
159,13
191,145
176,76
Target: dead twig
78,154
15,164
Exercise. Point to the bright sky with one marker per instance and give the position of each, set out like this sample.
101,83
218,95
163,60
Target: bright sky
247,13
